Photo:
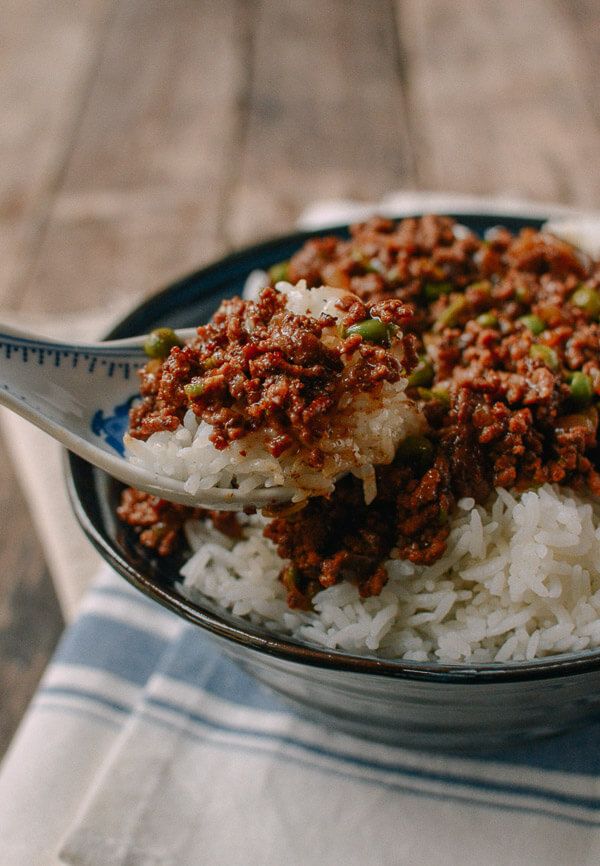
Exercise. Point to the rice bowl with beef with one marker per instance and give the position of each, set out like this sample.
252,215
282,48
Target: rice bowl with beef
362,430
480,538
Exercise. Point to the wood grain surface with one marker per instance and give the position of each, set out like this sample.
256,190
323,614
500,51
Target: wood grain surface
142,138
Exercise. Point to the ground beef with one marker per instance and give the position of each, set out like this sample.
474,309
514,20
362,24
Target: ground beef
503,331
257,366
159,523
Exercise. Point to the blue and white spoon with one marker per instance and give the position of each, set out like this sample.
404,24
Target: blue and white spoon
80,393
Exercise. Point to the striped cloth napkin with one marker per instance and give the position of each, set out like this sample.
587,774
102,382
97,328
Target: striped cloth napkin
145,747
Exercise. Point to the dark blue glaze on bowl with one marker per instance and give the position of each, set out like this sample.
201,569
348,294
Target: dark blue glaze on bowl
418,704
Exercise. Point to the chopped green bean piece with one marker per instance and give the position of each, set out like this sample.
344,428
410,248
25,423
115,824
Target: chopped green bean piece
581,389
436,290
279,272
371,330
416,448
160,342
533,323
439,394
487,320
425,393
194,389
289,577
447,318
587,299
545,354
442,396
422,375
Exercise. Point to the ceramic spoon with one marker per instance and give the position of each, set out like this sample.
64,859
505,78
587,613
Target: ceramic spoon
81,394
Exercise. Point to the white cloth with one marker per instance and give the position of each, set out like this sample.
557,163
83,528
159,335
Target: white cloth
144,747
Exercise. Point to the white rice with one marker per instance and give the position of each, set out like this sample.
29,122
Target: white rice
519,580
365,432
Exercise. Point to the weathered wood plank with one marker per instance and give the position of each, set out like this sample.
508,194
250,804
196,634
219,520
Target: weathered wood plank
495,99
141,198
30,619
325,112
582,18
47,58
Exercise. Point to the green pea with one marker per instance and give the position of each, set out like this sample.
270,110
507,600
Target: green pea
371,330
581,389
447,318
533,323
422,375
545,354
289,577
439,394
160,342
425,393
194,389
442,396
588,300
436,290
416,449
279,272
487,320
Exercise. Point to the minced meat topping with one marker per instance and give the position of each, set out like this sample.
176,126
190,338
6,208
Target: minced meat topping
508,337
258,367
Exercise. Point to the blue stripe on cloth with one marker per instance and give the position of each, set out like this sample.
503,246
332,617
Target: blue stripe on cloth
356,760
84,711
198,662
87,695
99,642
446,795
406,784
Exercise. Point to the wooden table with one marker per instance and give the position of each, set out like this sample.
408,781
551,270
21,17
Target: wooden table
141,138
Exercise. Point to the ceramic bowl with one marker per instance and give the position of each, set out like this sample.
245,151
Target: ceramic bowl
425,705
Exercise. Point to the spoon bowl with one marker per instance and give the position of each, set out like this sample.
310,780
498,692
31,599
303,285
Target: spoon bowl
81,393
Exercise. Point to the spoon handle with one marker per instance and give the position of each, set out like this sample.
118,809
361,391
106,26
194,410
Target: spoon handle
39,373
80,394
28,361
134,346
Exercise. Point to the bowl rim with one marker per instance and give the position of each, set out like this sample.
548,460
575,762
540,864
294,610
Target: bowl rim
78,474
